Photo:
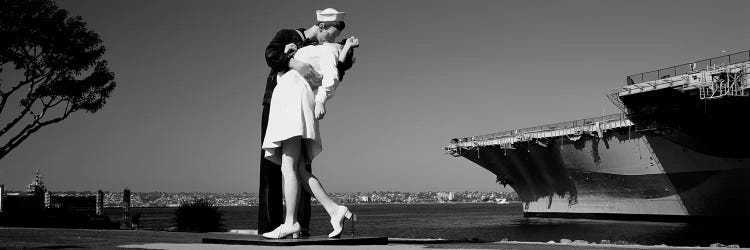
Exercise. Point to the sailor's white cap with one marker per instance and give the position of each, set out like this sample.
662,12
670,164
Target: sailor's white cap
330,14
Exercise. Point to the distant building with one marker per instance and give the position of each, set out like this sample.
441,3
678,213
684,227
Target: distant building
364,198
446,196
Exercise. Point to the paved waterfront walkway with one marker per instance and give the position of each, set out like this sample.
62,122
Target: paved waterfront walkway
510,245
56,238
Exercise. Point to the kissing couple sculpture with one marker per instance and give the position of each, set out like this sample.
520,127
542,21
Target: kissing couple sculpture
306,67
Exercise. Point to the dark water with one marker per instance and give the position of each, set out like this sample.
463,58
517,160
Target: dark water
491,222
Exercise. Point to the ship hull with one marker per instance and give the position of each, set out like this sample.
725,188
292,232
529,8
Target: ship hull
624,174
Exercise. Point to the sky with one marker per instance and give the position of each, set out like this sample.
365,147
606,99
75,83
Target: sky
186,114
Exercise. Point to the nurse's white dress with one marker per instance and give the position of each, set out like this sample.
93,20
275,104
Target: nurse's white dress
292,111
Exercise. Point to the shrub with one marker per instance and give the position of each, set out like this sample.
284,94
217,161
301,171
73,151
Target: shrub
199,215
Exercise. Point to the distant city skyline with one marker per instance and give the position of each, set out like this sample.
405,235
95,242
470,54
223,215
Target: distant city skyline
185,116
164,199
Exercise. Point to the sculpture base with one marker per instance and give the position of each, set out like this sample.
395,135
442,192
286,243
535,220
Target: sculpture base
238,239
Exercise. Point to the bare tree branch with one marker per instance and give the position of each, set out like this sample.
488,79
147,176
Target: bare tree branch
30,77
3,100
30,129
18,118
45,107
1,80
16,140
27,109
58,119
7,95
31,80
58,102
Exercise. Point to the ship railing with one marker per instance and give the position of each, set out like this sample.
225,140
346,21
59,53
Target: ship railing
727,81
507,138
688,68
708,81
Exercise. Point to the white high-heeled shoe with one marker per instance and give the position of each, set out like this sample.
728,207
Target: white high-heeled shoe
337,221
283,231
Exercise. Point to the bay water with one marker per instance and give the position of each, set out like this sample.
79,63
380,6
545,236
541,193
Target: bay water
483,221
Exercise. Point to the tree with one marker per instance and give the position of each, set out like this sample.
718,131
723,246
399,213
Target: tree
56,69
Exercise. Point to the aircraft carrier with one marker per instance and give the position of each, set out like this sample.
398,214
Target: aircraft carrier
678,151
